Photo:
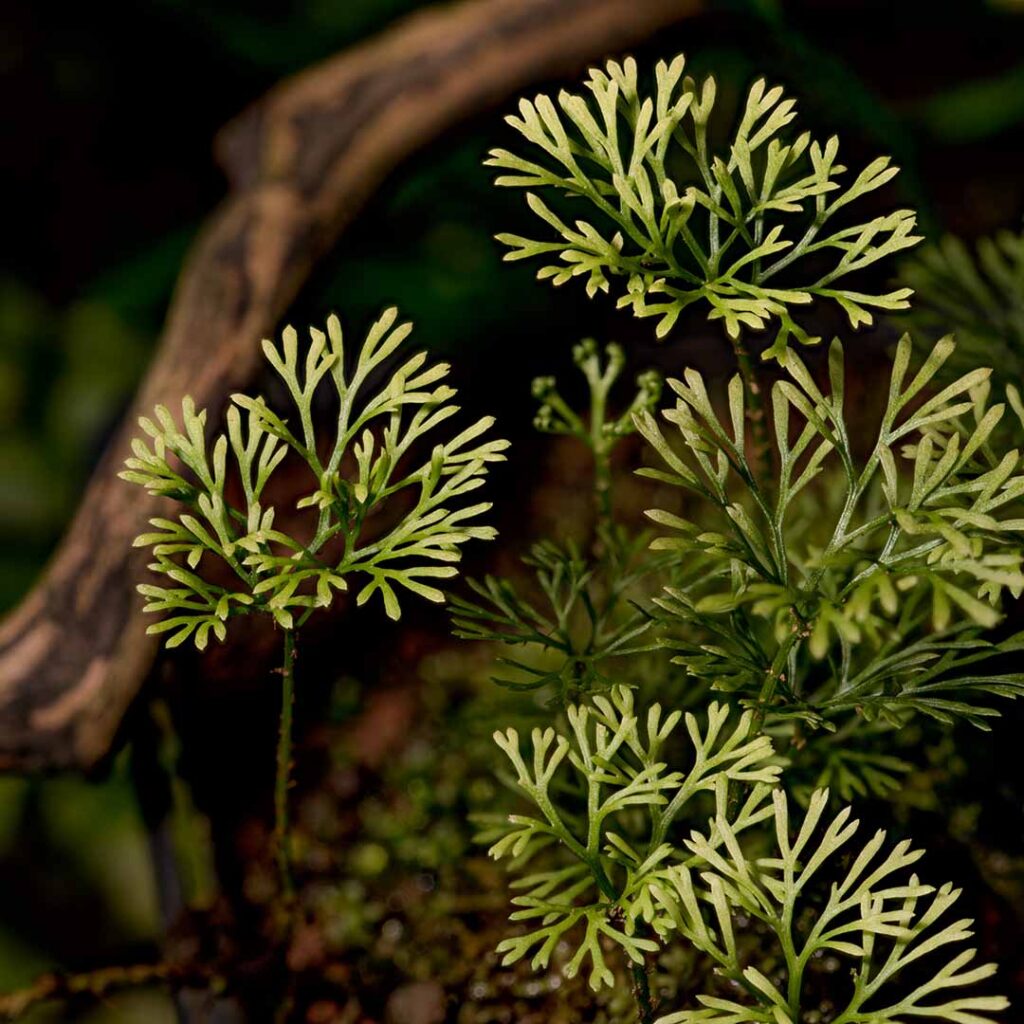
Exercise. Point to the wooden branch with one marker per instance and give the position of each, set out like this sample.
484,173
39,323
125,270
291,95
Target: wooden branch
302,163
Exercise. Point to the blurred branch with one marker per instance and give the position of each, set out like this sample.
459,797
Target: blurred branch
302,163
96,984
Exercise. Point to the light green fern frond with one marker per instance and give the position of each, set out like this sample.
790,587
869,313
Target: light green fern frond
878,915
371,458
612,756
755,230
930,514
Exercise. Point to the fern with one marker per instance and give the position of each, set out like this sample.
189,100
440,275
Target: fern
816,580
612,758
582,625
601,431
582,618
876,914
682,224
369,466
369,463
926,519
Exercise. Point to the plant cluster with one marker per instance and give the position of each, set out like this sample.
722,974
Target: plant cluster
829,582
833,580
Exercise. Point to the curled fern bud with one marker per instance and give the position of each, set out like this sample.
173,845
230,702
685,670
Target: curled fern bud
650,384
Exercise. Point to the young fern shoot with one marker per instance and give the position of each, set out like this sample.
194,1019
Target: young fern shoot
377,512
583,618
599,431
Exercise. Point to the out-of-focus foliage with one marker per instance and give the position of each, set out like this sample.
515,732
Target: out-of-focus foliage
62,376
977,294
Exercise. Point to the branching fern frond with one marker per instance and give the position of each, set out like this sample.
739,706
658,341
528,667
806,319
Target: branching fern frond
756,230
931,513
932,675
909,960
582,624
566,631
370,464
607,802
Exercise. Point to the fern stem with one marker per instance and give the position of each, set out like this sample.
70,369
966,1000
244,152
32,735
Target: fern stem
600,446
642,995
757,415
282,781
603,486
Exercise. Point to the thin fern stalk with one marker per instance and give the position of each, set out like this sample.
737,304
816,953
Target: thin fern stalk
642,994
602,457
282,781
758,414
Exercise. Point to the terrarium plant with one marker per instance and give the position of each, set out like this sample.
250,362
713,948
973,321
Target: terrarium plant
384,501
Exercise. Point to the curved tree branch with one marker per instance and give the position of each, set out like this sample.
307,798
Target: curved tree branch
302,163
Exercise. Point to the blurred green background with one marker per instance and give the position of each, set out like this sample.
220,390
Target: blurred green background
107,170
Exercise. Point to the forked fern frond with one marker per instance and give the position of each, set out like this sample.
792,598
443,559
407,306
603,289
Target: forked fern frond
606,856
756,230
876,914
808,616
371,460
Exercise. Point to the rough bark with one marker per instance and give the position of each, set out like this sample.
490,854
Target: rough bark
301,164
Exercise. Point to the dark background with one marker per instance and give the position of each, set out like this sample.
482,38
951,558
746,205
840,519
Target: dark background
109,115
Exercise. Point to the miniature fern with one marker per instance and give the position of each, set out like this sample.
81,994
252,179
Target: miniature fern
375,511
612,757
874,913
583,618
681,223
773,593
601,431
365,466
582,624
